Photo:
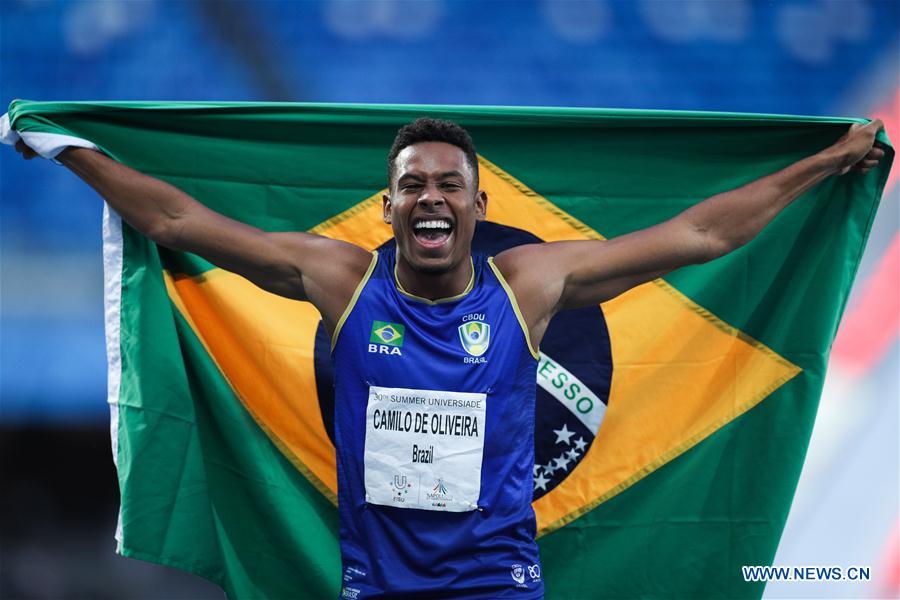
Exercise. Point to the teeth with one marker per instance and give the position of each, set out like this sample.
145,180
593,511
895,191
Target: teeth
434,224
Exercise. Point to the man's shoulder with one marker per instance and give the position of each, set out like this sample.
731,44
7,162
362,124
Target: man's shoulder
514,259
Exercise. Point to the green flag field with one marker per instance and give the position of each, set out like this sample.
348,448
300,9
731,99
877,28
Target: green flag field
666,457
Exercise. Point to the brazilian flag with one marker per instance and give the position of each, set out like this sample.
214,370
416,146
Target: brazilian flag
671,423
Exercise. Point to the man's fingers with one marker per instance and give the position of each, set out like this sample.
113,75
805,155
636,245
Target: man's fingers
26,152
875,124
866,163
871,159
863,166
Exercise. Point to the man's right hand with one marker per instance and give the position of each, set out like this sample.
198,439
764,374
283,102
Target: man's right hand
25,151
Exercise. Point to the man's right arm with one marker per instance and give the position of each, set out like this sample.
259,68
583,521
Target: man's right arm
296,265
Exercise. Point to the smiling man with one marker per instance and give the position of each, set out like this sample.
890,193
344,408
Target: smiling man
435,349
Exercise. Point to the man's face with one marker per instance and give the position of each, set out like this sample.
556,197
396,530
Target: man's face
433,205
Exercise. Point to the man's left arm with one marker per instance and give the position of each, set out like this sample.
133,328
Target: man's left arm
555,276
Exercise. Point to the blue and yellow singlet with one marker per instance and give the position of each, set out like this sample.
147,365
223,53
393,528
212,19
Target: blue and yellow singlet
434,428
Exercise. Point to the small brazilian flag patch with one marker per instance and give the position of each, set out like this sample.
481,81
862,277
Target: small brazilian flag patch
390,334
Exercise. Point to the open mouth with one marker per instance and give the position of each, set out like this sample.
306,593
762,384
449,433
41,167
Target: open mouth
433,232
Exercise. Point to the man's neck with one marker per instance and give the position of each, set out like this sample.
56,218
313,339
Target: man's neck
434,286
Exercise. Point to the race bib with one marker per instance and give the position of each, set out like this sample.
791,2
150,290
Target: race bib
424,448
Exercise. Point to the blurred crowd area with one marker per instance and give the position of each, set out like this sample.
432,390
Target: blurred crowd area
819,57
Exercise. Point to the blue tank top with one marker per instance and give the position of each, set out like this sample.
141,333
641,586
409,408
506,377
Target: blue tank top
434,429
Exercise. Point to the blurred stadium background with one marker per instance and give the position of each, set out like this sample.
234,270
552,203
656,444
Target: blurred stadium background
819,57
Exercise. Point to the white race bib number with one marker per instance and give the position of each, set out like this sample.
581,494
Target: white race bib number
424,448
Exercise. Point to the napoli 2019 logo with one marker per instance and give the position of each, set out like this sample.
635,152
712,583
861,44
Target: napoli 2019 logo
573,375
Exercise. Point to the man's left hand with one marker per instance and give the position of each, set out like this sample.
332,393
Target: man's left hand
856,150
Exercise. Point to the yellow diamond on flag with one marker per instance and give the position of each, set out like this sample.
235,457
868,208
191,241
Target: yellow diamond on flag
679,372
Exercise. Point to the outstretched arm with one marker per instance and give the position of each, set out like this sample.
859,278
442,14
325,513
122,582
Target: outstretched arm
296,265
551,277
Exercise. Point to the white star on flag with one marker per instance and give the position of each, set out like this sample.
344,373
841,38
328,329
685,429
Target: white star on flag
562,462
537,467
580,443
563,435
541,482
572,454
549,469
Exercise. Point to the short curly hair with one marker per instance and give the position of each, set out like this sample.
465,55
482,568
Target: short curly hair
426,129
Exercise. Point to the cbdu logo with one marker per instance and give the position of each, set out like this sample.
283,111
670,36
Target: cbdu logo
475,337
517,572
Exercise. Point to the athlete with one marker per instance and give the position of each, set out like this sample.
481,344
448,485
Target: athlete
435,349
